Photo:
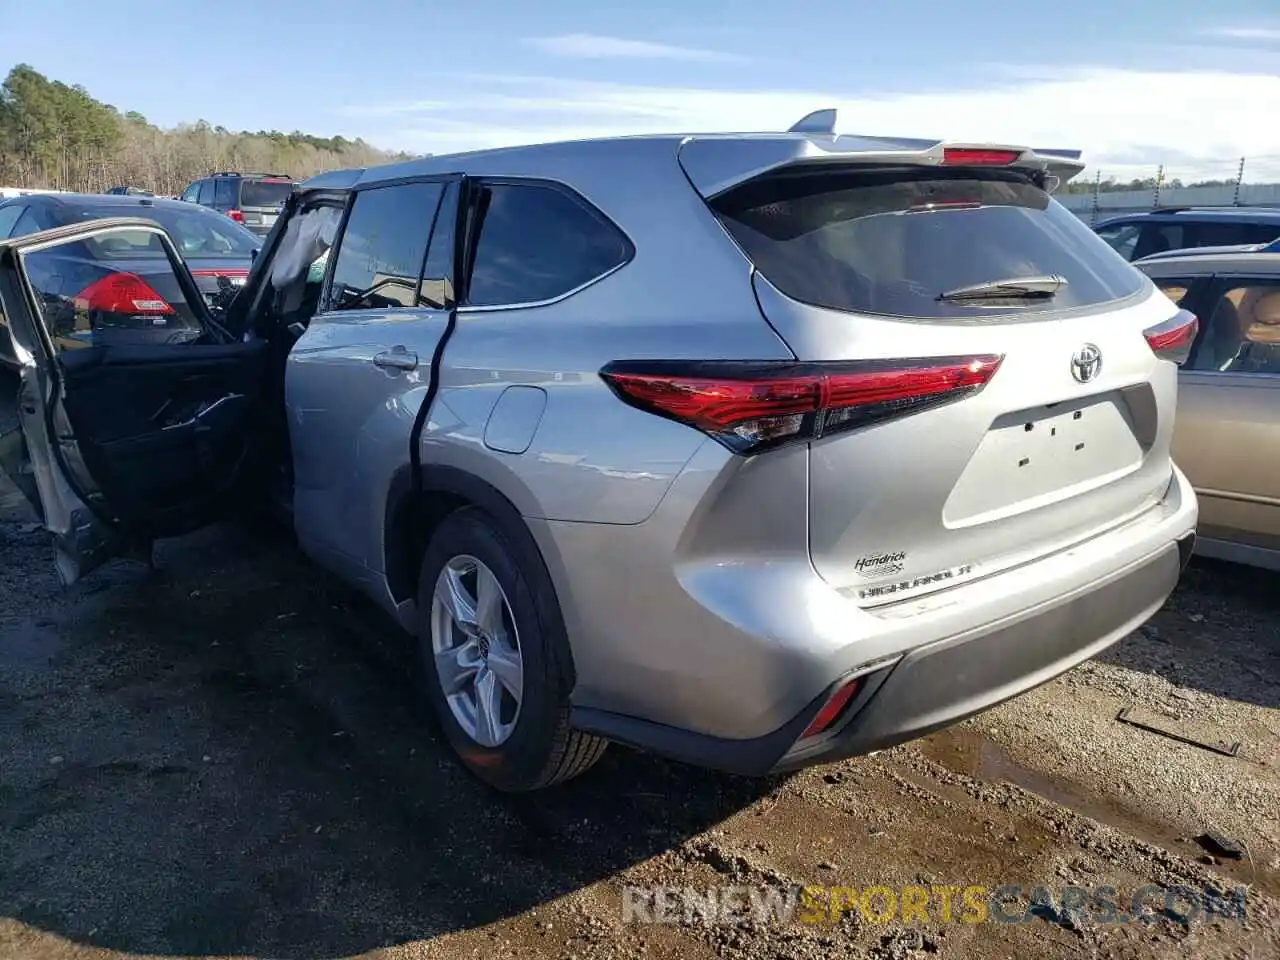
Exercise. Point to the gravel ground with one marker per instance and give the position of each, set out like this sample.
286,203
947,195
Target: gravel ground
228,757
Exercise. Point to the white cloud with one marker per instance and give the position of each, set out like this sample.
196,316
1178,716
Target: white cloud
1126,121
588,46
1247,33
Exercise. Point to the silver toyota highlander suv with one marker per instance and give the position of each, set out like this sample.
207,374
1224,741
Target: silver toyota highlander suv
755,451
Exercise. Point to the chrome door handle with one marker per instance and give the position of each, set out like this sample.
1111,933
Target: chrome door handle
397,358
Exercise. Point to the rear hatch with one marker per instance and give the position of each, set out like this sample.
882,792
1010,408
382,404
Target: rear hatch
261,201
1061,432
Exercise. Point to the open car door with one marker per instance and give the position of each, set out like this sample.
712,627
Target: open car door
136,406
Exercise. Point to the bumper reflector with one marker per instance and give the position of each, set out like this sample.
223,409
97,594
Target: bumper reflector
831,710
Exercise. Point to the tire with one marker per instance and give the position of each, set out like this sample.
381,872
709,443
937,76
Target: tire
530,746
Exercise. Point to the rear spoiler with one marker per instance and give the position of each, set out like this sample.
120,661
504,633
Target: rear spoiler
718,162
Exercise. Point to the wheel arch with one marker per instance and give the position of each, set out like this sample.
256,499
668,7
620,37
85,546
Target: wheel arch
415,510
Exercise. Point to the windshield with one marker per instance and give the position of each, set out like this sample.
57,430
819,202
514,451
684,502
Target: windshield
195,231
893,240
264,193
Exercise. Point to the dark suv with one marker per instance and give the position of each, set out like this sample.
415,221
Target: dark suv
1138,235
254,199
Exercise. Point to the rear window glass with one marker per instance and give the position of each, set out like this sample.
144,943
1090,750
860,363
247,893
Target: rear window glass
892,240
264,193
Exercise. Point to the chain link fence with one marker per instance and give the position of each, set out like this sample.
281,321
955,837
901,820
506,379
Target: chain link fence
1110,189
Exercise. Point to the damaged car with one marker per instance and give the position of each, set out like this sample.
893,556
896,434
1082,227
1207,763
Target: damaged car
754,451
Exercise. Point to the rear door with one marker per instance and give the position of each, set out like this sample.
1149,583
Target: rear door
1064,429
1228,434
136,406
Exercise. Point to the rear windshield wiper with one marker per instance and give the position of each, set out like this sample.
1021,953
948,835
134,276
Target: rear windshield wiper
1016,288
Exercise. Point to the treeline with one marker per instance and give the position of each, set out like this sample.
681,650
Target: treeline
57,136
1148,183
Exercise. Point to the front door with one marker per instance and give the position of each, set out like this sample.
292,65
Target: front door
136,406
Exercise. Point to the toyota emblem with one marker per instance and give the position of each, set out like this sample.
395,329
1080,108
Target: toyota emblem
1086,364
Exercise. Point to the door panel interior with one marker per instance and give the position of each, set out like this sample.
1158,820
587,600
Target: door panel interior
162,431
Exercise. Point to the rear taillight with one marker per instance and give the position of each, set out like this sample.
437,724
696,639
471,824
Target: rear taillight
236,215
971,157
1172,339
755,405
122,293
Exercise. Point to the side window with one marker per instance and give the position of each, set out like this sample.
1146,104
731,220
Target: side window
1261,233
9,217
27,223
1123,237
537,243
381,251
1243,333
1226,234
191,193
205,196
1176,289
1159,237
225,192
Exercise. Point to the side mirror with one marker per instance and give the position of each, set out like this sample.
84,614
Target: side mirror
253,255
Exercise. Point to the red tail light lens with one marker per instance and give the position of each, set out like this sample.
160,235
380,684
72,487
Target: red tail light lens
1172,339
971,157
123,293
753,406
236,215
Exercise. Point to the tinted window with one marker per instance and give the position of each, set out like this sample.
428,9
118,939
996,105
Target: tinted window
1225,234
195,231
1123,237
9,216
1243,333
27,223
206,193
536,243
87,300
382,248
1159,237
892,240
265,193
191,193
224,192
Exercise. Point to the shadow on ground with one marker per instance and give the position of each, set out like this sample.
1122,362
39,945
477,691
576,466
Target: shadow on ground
228,757
1215,634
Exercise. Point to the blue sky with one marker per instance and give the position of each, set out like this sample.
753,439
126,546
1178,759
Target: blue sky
1132,82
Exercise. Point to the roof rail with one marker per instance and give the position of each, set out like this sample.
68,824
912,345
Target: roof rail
253,173
820,121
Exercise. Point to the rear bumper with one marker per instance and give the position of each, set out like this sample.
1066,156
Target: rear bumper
920,672
935,685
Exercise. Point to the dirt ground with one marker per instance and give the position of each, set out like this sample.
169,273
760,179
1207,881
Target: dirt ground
227,757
